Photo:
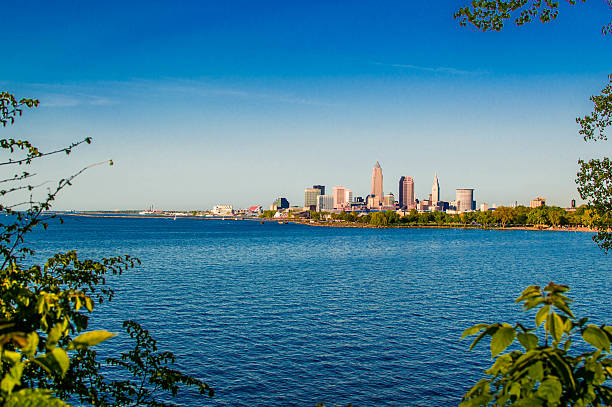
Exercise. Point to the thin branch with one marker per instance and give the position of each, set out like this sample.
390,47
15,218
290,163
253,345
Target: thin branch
29,158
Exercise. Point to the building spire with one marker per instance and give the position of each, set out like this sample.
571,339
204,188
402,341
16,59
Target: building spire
435,189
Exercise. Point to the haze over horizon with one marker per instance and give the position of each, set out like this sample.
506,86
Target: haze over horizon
206,103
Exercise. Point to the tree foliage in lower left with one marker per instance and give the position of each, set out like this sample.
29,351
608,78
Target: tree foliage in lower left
45,347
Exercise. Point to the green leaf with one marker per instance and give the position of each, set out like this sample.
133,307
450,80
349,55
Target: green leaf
55,361
11,357
502,339
30,349
550,390
54,336
12,378
596,337
33,398
528,340
88,339
533,302
473,330
559,303
536,371
542,315
556,326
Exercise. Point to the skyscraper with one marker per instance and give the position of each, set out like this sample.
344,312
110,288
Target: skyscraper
435,190
377,184
465,200
325,203
320,187
406,192
310,197
340,195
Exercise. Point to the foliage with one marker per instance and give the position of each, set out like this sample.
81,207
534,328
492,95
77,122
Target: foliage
488,15
267,214
594,177
544,372
44,309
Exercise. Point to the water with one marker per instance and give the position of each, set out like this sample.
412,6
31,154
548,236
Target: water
282,315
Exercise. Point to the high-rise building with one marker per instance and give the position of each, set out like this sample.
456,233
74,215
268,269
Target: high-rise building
435,190
377,184
465,200
389,200
325,203
281,203
406,192
310,197
320,187
342,196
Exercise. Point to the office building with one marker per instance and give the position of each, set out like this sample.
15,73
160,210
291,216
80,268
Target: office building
377,186
406,192
281,203
465,200
325,203
320,188
310,197
342,197
536,203
389,200
435,190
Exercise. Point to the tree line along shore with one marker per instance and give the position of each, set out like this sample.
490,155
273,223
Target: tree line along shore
545,217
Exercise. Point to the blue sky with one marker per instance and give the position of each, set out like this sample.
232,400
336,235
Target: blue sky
200,103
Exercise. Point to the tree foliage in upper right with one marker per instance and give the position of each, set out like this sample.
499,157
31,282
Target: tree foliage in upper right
594,177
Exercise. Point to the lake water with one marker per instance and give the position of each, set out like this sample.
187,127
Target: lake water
283,315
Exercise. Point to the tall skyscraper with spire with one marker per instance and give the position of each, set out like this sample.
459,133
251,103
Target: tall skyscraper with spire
377,183
435,190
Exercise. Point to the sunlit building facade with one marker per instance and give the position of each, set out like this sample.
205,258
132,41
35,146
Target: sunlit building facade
377,186
465,200
406,192
435,190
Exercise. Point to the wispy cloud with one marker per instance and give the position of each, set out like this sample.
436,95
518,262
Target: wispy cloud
435,69
72,100
112,92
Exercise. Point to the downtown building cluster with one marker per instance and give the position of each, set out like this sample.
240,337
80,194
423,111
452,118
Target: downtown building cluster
342,199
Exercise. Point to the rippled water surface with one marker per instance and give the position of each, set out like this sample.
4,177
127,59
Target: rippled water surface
280,315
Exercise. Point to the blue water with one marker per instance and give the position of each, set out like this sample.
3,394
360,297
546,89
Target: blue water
282,315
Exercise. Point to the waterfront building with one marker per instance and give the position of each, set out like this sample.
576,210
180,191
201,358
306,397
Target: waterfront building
325,203
536,203
223,210
389,200
406,192
281,203
342,196
377,185
465,200
373,202
435,190
310,197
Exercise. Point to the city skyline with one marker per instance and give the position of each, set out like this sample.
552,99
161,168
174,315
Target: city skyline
238,102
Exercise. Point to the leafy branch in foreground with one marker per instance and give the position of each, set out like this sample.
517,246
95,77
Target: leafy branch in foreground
45,355
543,372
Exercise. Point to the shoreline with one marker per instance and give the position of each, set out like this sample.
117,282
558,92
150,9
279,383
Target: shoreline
332,224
